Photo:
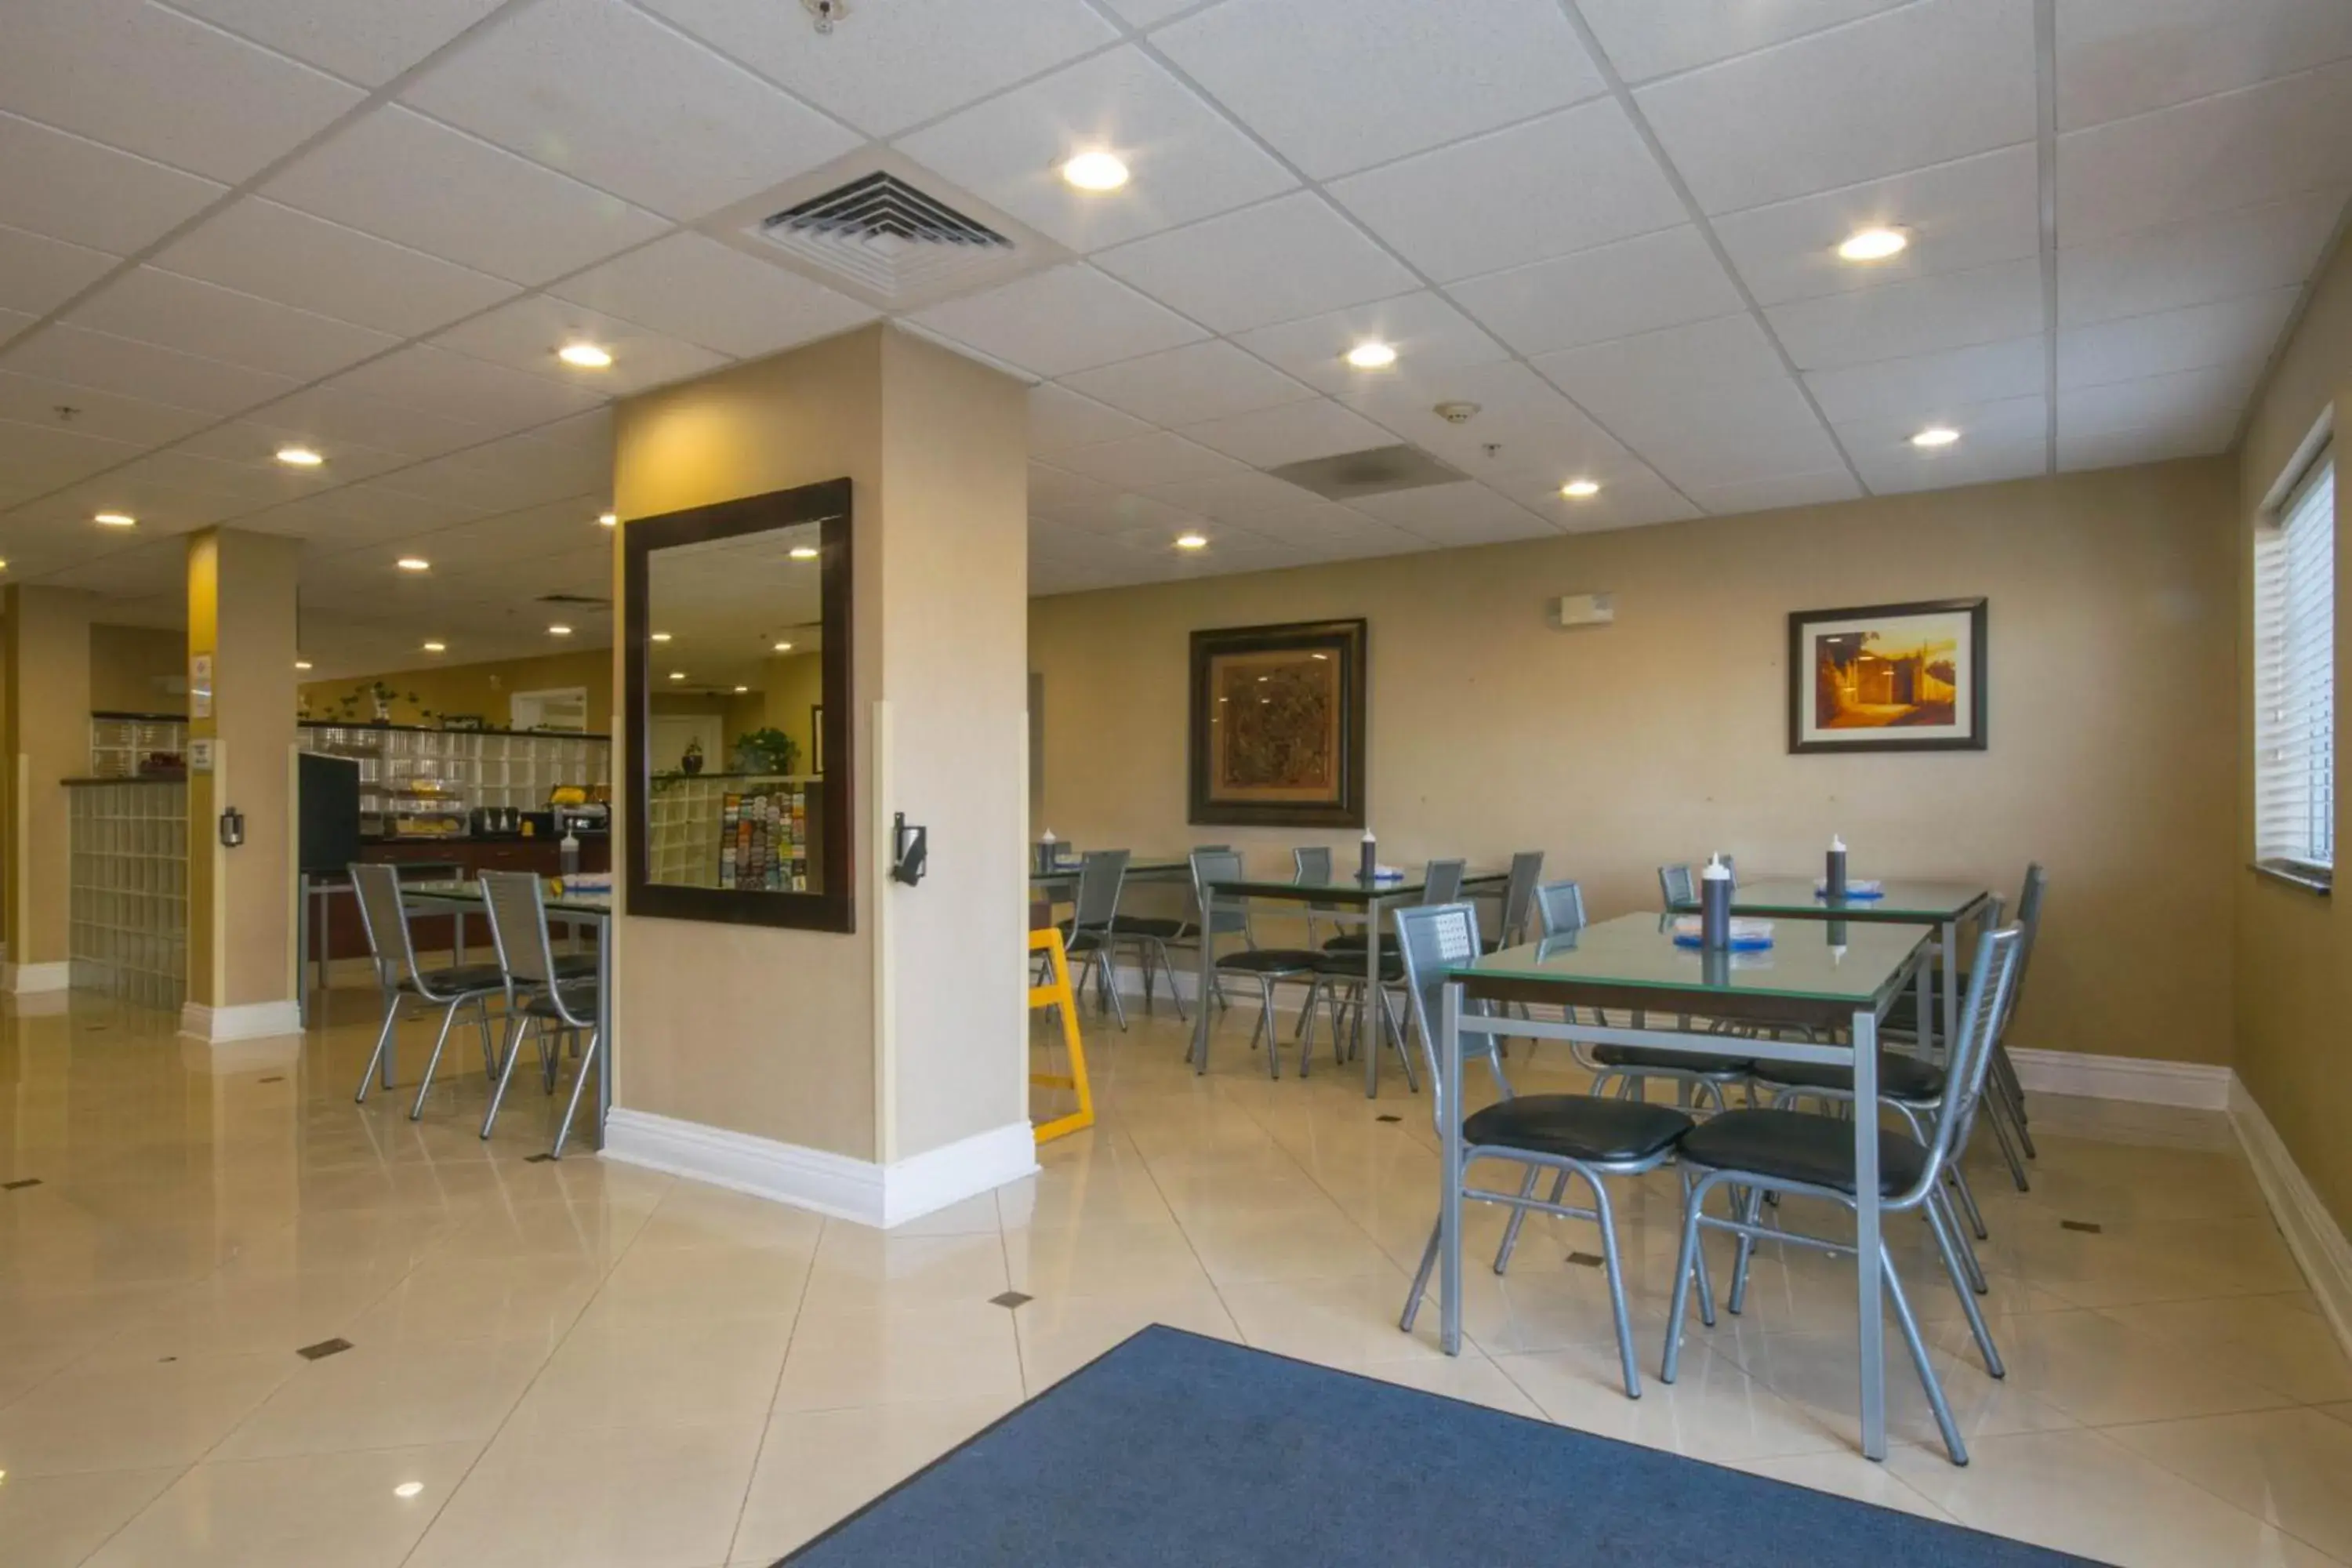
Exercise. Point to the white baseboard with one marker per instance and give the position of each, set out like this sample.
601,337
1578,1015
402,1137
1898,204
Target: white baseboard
835,1185
245,1021
2194,1085
28,979
2318,1243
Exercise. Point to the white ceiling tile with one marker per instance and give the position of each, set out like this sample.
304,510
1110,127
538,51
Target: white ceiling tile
2192,404
1927,386
1636,286
1518,413
1060,418
1053,489
2079,450
502,476
1905,472
1648,38
38,274
1662,365
1957,216
1186,161
1919,316
1462,513
47,455
366,40
400,175
2233,150
1567,182
455,386
1339,85
1123,515
1639,502
1140,462
254,443
236,486
357,515
160,507
142,370
331,417
525,334
2248,250
195,318
902,63
1144,13
1781,491
1189,385
153,81
1232,498
277,253
1294,433
1313,522
14,323
707,293
609,96
2228,332
1288,259
1066,319
2001,440
1923,84
2117,58
35,400
71,188
1428,334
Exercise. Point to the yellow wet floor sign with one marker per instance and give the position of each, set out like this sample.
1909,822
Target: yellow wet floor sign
1056,993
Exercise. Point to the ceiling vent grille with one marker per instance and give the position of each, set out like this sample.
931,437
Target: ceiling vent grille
1375,471
886,235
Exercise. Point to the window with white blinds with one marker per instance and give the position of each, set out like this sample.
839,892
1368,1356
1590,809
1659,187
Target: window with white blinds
2294,677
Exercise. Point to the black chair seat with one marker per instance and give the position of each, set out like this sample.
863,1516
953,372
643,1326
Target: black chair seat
1351,965
1348,942
1579,1127
1796,1146
581,999
1900,1077
1167,928
459,979
575,966
1640,1059
1083,942
1270,960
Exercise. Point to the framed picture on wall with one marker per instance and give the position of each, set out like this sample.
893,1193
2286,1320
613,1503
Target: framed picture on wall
1276,730
1888,677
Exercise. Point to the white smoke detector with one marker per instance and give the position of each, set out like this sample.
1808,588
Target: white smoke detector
1456,413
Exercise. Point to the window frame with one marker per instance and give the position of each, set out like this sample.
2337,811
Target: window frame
2272,589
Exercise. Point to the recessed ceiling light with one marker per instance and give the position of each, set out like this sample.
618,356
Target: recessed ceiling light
414,563
408,1489
1935,436
661,636
1095,171
1580,489
740,690
610,519
115,520
677,675
299,458
1191,541
436,647
583,357
804,553
558,631
301,664
783,647
1873,244
1371,356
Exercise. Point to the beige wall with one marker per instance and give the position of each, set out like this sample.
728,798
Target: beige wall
1662,737
45,715
127,664
485,689
2294,948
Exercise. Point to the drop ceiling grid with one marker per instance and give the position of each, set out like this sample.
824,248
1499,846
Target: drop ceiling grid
2264,69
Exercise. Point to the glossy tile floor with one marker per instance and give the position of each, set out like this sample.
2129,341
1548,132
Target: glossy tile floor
590,1366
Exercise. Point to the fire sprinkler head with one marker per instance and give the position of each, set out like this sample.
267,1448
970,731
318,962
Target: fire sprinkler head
1456,413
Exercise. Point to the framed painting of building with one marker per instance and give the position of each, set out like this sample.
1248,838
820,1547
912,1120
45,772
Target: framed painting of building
1888,677
1277,725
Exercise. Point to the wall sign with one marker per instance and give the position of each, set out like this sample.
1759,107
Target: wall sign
200,685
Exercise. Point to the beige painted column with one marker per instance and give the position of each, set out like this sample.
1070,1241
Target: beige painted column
880,1072
241,703
45,713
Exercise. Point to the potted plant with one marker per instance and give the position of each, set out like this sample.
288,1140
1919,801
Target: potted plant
767,751
692,759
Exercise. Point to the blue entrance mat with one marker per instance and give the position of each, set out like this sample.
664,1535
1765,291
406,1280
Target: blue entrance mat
1178,1450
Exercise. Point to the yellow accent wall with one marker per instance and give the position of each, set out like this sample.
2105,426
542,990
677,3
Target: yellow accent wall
128,665
472,689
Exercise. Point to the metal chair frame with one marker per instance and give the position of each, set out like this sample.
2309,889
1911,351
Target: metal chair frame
1223,865
392,946
1092,936
536,994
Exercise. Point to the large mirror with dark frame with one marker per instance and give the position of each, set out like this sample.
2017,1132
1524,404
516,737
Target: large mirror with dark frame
736,628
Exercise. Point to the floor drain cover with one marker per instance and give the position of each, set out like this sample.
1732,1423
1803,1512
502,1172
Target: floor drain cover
537,1159
1009,1299
2084,1226
275,1077
1587,1260
14,1187
323,1349
1388,1119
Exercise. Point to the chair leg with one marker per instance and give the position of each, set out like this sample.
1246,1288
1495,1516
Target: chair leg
1168,963
1107,979
1615,1268
505,1073
1750,1211
587,1063
1705,1281
1519,1217
1396,1038
1967,1197
1421,1278
1997,1115
424,1084
1684,1268
1927,1379
382,1057
1938,1224
1941,1202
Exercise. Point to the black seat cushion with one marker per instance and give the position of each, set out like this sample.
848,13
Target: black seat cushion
1351,965
1796,1146
580,998
1266,959
1164,927
1348,942
1578,1127
1640,1059
575,966
459,978
1900,1076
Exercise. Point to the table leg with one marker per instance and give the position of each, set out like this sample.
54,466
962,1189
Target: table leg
1870,1336
302,950
457,940
1204,998
1446,1091
603,1022
1952,969
1368,1015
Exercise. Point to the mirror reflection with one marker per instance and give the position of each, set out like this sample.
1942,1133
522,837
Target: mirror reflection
735,679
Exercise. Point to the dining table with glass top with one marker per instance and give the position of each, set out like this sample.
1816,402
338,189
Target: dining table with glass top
592,909
1814,981
1897,902
1348,894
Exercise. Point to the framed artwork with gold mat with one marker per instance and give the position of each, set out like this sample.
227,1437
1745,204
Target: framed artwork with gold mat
1277,725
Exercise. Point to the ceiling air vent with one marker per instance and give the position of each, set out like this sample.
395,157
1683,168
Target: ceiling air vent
880,227
1375,471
